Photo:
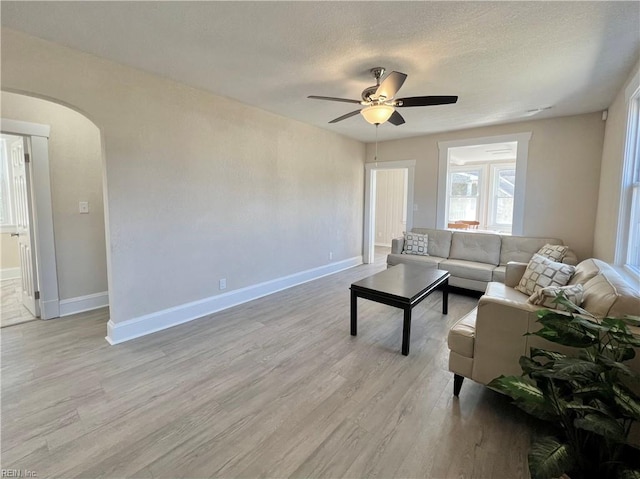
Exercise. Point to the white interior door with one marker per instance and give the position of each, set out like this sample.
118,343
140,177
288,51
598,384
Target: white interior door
22,194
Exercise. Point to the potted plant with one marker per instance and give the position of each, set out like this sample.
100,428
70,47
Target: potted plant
588,397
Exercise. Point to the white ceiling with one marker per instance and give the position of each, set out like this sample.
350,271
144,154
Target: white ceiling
501,58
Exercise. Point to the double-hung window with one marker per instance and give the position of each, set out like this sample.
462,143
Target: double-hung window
629,225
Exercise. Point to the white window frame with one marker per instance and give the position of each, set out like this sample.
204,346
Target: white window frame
494,182
630,182
521,172
7,190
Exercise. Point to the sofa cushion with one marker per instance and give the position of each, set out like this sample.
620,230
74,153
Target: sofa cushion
394,259
415,243
468,269
553,252
462,335
521,249
439,241
542,272
479,247
585,270
546,296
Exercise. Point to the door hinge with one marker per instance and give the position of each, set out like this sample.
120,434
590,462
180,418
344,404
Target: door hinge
27,158
36,295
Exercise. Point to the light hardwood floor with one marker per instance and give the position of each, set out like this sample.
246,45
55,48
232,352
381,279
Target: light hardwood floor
12,311
273,388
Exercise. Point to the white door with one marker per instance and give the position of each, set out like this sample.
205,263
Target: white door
22,194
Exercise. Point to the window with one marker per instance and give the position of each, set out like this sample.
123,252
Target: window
629,224
483,179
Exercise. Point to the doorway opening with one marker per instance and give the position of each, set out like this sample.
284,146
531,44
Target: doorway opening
390,219
388,206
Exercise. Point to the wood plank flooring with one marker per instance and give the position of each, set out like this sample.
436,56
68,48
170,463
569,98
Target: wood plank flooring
12,311
273,388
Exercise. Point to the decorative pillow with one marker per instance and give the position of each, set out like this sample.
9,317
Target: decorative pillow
415,243
542,272
545,296
554,252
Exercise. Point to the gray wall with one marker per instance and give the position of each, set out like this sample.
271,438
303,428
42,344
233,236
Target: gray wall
199,187
563,174
76,175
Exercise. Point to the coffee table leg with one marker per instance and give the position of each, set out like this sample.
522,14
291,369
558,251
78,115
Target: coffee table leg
406,332
445,298
354,314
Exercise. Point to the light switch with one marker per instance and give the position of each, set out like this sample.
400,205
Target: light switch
84,207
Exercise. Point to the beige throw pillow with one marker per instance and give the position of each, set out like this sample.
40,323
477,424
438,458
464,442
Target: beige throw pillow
554,252
415,243
542,272
545,296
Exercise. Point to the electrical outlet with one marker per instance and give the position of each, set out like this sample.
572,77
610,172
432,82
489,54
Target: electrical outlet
223,283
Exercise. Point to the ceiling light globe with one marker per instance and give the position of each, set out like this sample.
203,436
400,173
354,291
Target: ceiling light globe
377,114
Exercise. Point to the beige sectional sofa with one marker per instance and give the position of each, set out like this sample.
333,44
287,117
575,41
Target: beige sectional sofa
473,259
489,340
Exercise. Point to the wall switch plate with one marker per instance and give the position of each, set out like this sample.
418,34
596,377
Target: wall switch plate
223,283
83,207
330,255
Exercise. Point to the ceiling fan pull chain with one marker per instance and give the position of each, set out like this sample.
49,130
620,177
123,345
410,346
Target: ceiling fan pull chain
376,157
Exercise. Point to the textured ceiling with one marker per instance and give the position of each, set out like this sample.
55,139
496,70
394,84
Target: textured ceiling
501,58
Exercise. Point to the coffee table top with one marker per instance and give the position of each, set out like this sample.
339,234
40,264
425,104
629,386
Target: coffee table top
403,281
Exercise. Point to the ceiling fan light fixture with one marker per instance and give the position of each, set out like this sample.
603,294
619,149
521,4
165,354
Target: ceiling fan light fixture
377,114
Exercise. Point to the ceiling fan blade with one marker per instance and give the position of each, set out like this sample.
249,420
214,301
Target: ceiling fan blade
396,119
390,85
426,100
344,117
330,98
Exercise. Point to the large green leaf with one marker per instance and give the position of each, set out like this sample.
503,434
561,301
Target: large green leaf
629,474
631,320
517,388
544,353
601,425
568,369
558,329
627,401
619,367
528,365
549,458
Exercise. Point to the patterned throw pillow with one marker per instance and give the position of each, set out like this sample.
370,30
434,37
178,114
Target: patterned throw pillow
554,252
542,272
415,243
545,296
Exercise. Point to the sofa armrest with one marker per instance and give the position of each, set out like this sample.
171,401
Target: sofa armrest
570,258
397,244
500,328
514,273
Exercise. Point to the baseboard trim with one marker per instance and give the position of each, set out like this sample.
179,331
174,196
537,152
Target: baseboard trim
167,318
84,303
10,273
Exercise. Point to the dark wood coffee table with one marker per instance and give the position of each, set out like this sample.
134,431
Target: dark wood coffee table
403,286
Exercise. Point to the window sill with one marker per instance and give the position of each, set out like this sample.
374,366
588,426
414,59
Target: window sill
6,229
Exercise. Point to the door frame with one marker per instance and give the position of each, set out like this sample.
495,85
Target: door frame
370,200
42,216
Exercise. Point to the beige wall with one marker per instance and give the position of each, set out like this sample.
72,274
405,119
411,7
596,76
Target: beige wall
9,252
563,174
611,177
199,187
76,175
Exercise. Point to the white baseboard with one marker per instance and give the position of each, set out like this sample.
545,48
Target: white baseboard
151,323
10,273
83,303
49,309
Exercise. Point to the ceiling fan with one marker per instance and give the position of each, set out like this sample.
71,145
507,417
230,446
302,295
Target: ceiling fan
380,103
